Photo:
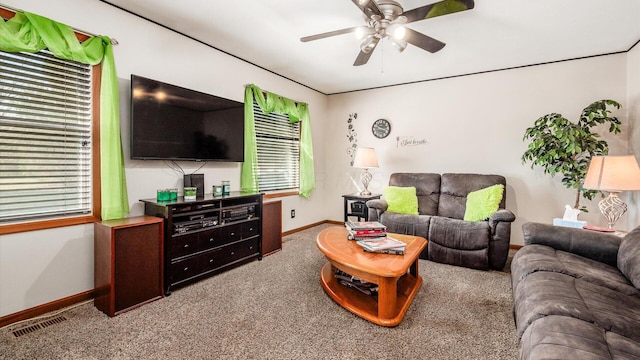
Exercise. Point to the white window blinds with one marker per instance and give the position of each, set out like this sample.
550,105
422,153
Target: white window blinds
278,143
45,137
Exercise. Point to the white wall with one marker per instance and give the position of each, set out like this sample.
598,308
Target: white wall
42,266
476,124
633,99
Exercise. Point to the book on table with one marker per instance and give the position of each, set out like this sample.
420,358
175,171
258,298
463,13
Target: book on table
365,226
354,236
382,243
392,251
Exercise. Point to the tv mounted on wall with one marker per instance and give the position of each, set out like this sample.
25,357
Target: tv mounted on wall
169,122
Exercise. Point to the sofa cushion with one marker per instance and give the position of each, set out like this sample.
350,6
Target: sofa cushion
559,337
406,224
534,258
543,294
482,203
629,256
454,189
458,242
427,189
401,200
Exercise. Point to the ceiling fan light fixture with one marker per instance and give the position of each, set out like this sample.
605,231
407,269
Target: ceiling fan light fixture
399,44
399,32
363,31
369,44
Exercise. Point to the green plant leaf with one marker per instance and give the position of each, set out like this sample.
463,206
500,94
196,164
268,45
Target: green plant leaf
558,145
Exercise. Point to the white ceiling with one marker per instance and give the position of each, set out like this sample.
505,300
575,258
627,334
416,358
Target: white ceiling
496,34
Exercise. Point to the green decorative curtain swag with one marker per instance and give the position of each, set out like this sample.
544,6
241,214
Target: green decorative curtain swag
31,33
268,103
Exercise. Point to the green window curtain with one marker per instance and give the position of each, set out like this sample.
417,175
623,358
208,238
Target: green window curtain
268,103
31,33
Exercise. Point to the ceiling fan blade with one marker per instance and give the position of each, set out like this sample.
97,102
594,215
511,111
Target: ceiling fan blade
328,34
423,41
362,58
369,8
438,9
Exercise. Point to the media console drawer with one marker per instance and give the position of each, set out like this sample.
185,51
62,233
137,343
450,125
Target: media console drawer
184,269
250,229
182,245
209,239
237,251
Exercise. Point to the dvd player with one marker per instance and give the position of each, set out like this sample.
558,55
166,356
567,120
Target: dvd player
186,226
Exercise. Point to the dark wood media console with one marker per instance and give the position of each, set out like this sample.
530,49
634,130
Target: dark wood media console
208,235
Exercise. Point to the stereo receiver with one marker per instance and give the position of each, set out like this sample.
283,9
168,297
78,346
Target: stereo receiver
238,213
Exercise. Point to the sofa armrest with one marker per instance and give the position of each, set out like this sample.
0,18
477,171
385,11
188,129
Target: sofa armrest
376,208
501,215
378,204
594,245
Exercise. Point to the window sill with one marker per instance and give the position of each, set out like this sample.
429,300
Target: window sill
278,194
45,224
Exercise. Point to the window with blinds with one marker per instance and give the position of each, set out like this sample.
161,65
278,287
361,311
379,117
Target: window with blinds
45,137
278,143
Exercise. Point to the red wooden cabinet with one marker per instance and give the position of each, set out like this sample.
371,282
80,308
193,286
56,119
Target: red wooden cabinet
128,263
271,227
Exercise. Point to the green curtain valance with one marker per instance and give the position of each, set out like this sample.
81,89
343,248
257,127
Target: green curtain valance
31,33
268,103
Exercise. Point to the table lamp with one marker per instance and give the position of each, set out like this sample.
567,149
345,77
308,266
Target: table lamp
613,174
365,158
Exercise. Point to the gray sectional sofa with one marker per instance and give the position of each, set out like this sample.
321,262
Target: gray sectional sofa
441,207
576,294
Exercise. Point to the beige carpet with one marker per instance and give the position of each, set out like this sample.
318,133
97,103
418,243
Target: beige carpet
276,309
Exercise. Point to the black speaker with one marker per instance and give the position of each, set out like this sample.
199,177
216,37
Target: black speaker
196,181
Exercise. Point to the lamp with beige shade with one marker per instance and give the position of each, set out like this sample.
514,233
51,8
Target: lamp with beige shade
613,174
365,158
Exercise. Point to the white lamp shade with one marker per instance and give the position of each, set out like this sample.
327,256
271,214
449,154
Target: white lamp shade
613,173
365,158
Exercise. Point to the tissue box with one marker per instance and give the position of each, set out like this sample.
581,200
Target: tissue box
569,223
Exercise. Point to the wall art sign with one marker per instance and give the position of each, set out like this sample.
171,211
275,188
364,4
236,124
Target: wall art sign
404,141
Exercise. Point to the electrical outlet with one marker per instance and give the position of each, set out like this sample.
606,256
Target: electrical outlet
293,213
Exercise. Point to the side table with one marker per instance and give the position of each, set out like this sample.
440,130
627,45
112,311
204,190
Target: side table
356,205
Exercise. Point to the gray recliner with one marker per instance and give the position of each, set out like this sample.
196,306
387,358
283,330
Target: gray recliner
441,207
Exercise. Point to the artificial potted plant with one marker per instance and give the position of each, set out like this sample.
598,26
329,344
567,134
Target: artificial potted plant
558,145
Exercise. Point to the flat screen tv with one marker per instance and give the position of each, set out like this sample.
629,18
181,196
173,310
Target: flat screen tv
169,122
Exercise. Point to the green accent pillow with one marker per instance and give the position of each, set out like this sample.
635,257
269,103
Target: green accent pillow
401,200
484,202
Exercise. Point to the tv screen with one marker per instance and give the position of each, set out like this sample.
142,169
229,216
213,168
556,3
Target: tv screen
169,122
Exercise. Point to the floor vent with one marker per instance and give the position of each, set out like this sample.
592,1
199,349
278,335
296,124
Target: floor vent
39,325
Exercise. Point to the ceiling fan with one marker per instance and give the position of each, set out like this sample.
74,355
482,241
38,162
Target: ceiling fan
386,20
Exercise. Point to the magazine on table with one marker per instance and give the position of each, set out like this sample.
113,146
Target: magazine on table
356,283
362,289
365,226
386,242
352,236
392,251
367,231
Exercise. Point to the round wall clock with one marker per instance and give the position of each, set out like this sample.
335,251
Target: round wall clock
381,128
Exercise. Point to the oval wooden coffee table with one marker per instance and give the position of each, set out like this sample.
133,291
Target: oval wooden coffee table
396,275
